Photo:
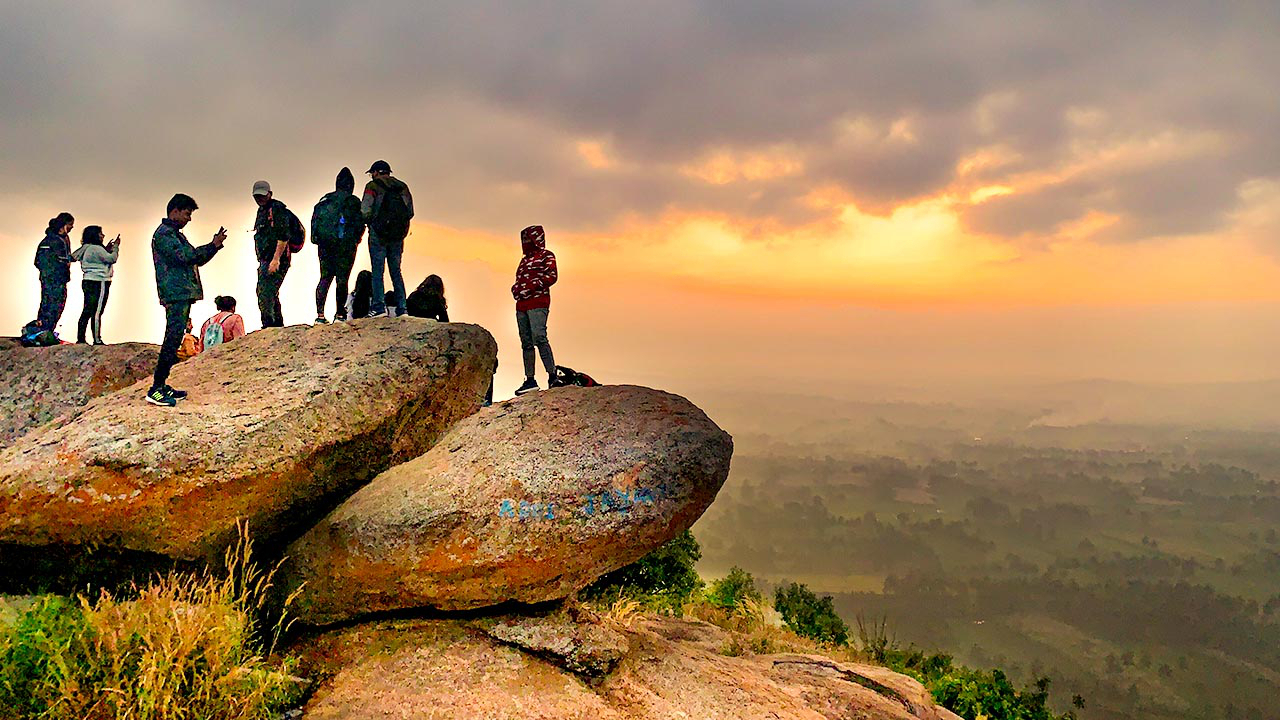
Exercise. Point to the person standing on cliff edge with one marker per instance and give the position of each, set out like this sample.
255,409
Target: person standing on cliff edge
387,208
535,275
177,286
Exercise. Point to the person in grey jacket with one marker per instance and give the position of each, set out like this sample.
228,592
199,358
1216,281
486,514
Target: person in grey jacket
178,286
97,262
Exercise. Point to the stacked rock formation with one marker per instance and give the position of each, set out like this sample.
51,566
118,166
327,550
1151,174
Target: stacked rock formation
453,507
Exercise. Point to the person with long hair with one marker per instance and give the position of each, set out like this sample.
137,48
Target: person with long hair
53,259
361,297
97,263
428,300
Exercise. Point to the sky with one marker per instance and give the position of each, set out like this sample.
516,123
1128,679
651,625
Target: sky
745,194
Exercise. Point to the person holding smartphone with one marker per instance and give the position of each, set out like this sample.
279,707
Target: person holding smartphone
97,262
177,265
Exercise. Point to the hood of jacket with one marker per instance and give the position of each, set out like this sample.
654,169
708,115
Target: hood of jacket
346,182
532,240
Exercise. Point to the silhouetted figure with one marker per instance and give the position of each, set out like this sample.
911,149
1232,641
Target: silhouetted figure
532,292
178,286
98,263
271,245
53,260
427,301
336,229
387,207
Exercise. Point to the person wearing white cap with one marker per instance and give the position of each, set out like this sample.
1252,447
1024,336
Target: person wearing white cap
271,245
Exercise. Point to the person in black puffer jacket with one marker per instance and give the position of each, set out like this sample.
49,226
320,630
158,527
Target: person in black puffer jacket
53,260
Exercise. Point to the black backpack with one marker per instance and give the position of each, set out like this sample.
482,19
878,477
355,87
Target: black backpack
569,376
332,220
392,220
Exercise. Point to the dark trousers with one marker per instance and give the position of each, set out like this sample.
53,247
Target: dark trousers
96,293
53,300
386,253
269,294
335,264
175,326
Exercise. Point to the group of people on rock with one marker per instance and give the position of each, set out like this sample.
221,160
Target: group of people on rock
338,225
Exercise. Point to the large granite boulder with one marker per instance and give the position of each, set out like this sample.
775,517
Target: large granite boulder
279,427
527,501
42,383
670,668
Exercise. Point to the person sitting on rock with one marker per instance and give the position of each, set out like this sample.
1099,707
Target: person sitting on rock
427,301
177,264
532,292
190,346
361,297
225,325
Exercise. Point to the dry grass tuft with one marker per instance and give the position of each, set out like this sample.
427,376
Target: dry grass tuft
185,647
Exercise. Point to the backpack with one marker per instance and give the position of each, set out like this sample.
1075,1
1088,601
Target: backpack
329,223
297,233
213,333
569,376
392,220
33,336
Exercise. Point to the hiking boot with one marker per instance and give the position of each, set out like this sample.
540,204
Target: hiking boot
158,396
530,385
176,394
321,321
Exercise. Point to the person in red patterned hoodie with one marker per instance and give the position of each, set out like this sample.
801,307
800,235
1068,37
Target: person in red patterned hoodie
532,292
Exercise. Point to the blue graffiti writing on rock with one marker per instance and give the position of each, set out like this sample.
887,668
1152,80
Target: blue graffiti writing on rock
589,504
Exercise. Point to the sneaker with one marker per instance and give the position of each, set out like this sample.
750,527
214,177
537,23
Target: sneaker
98,342
321,321
556,382
530,385
340,318
176,394
375,313
158,396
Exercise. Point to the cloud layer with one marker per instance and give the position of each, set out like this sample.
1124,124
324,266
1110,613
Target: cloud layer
1149,115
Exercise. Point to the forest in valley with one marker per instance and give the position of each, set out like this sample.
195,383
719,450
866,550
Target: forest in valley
1136,563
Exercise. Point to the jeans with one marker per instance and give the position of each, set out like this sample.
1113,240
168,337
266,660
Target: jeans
532,325
335,264
388,253
269,294
175,326
53,300
95,301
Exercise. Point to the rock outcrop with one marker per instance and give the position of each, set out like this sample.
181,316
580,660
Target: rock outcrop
671,668
279,427
527,501
41,384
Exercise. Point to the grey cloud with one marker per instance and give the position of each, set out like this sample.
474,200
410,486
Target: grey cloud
480,102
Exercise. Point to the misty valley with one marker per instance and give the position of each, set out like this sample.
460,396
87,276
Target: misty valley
1135,563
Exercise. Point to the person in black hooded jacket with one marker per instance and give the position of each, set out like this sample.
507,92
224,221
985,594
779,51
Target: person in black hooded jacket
53,260
336,229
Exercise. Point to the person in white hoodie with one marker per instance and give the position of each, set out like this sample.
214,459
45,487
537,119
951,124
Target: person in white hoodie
97,262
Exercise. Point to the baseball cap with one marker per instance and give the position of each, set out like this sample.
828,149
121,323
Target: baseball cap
379,166
262,187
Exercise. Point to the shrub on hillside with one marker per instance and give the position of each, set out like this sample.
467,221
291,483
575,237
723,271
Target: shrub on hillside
734,589
665,578
810,616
